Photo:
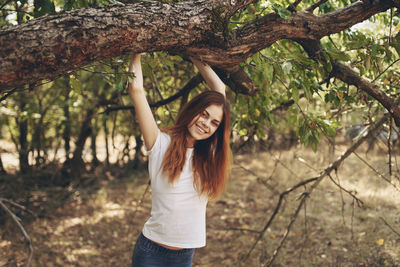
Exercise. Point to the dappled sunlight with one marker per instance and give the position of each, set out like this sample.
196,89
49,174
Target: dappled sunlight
99,228
108,210
85,251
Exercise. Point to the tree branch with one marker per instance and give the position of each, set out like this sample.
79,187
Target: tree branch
316,180
196,80
49,46
17,222
349,76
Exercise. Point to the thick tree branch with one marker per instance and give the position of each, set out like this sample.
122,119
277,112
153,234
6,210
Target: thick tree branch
349,76
52,45
263,32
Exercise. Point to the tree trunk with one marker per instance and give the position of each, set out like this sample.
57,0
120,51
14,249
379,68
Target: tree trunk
106,141
75,166
67,123
2,169
95,160
22,123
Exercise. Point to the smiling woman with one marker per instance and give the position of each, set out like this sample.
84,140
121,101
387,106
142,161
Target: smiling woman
188,164
205,124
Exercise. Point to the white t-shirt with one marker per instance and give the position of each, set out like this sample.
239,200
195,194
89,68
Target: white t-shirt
178,213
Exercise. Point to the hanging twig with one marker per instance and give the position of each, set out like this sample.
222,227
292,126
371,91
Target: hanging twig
360,203
377,172
158,90
17,221
389,144
260,179
341,194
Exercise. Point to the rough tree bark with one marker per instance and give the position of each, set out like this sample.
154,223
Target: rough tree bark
50,46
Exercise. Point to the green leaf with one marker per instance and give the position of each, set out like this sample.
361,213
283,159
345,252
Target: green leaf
295,94
281,11
243,132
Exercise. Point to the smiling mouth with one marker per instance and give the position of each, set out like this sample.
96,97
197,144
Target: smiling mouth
200,129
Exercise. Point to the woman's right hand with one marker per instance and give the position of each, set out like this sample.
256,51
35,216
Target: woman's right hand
135,67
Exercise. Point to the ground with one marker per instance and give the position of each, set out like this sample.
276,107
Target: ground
97,222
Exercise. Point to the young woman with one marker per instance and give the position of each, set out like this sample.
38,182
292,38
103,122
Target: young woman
188,164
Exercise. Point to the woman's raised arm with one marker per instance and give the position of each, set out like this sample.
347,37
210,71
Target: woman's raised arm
211,78
147,123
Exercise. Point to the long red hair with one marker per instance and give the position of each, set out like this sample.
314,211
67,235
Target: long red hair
211,157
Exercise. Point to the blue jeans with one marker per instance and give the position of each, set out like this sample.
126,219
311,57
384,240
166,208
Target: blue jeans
149,254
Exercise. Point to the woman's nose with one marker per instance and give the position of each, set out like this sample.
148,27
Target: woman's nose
206,123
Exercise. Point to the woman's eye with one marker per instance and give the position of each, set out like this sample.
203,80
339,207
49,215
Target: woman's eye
215,124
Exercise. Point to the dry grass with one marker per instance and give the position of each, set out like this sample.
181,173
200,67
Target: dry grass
99,228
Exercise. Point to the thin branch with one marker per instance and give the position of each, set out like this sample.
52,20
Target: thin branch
9,93
188,87
18,11
389,144
18,206
105,72
360,203
25,234
275,212
377,172
314,6
285,105
288,228
158,90
292,7
260,179
388,67
390,227
4,4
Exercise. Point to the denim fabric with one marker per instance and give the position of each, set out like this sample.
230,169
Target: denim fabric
149,254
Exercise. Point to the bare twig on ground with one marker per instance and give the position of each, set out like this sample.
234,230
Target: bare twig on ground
20,226
18,206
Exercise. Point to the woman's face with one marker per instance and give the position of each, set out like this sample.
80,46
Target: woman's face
205,124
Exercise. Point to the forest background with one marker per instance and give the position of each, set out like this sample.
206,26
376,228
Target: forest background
313,89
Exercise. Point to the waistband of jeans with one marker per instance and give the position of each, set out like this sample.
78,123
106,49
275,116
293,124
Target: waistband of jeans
152,246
